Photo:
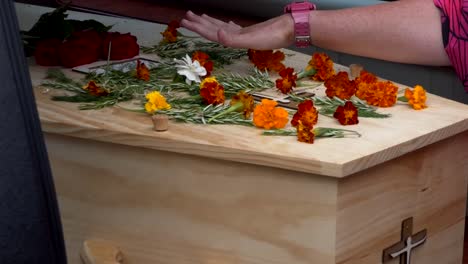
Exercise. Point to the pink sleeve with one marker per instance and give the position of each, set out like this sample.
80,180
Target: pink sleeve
454,18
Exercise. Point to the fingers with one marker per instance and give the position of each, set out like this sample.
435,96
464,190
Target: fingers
271,34
202,26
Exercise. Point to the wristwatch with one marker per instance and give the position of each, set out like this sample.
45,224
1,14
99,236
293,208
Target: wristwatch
300,13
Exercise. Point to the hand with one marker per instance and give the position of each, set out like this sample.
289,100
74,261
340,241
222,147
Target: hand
272,34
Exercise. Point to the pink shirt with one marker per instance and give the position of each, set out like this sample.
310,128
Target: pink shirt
454,15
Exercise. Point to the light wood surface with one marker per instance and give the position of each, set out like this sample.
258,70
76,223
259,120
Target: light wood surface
166,207
98,251
429,185
382,140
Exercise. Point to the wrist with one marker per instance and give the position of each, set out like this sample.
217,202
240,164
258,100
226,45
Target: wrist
289,27
300,14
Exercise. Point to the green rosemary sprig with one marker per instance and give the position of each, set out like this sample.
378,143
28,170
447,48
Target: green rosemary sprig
201,115
57,76
219,54
90,102
234,83
164,70
319,132
181,43
120,86
328,107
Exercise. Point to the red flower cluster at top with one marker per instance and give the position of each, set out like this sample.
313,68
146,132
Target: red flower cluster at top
204,60
84,47
267,59
366,87
170,34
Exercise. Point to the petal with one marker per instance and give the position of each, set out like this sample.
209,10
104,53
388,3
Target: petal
201,71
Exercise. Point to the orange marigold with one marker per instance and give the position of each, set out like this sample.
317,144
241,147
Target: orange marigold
323,65
170,34
417,97
362,83
142,72
305,133
382,94
267,115
204,60
244,102
306,113
347,114
340,86
211,91
94,89
288,80
267,59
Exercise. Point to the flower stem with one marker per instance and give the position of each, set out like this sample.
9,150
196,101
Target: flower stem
402,99
334,132
306,73
235,107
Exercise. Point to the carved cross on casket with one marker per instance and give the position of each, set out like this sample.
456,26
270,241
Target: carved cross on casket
408,242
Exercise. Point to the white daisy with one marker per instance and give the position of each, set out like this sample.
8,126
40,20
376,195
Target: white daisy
192,70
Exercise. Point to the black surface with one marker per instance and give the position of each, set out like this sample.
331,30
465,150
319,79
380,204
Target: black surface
30,228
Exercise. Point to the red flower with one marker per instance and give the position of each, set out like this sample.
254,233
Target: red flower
347,114
323,64
267,59
340,86
142,72
212,91
47,52
204,60
305,133
94,89
124,46
170,34
288,80
81,48
307,114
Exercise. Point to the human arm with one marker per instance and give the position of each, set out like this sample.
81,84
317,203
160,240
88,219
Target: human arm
403,31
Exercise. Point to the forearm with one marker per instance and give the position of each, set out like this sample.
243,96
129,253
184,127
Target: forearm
403,31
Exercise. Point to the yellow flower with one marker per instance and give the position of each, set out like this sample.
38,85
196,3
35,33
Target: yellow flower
417,97
156,102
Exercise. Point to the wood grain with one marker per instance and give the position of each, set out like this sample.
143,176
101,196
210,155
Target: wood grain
429,185
382,140
163,207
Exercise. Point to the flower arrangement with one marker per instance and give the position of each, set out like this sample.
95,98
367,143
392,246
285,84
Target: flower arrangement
192,88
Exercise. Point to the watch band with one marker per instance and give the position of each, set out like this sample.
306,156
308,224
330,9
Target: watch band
300,14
